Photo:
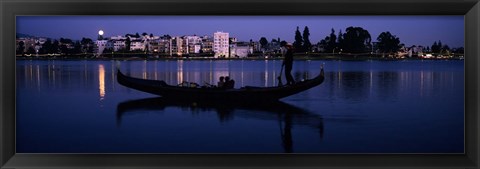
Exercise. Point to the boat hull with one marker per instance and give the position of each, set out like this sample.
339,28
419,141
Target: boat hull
189,93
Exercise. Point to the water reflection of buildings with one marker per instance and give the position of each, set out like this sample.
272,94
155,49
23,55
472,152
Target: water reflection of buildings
353,85
386,85
57,76
175,72
101,81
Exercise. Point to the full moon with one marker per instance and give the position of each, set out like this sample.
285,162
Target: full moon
100,32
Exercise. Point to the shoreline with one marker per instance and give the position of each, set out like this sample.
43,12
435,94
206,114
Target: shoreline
223,59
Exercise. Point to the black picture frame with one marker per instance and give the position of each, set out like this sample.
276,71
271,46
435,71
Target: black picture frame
11,8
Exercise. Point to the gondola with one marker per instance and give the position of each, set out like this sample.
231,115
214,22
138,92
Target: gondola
247,93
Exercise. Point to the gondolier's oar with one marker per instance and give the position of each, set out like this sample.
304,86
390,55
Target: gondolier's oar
280,76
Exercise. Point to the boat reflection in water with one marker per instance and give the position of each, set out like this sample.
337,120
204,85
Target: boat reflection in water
287,115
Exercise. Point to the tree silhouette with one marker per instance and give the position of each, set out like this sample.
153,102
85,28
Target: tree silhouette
323,44
64,43
77,48
298,40
445,50
356,40
306,41
55,47
435,47
31,50
340,40
87,45
46,47
64,49
445,47
127,44
263,42
331,42
388,43
21,48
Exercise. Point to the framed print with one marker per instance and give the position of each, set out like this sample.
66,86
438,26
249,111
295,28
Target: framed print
239,84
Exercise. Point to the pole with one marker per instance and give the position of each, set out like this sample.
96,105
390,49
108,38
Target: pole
280,76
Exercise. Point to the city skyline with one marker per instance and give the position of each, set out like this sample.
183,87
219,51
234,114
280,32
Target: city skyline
412,30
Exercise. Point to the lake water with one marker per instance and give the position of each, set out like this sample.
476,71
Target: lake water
361,107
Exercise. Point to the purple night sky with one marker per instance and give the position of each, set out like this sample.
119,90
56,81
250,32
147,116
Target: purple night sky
412,30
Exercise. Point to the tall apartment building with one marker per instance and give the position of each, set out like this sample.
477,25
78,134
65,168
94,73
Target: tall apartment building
221,44
176,46
207,44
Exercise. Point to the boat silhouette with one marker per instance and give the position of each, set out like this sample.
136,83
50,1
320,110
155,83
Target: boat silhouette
246,93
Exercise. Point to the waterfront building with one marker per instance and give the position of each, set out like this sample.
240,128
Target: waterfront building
40,41
207,44
256,46
100,43
154,46
192,44
176,46
415,51
119,45
193,39
109,45
163,45
221,44
118,37
273,46
183,46
194,48
137,45
240,49
100,46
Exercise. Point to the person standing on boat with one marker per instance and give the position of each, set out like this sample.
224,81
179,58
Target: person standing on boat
283,48
287,53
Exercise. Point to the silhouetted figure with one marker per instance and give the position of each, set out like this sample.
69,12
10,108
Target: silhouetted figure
283,51
226,82
288,63
229,83
221,82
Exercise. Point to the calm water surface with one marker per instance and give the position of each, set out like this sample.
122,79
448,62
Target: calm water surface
362,107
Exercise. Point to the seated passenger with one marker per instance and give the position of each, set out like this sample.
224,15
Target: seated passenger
221,82
229,84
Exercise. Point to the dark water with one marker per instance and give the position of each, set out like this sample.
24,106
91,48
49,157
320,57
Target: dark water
362,107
